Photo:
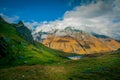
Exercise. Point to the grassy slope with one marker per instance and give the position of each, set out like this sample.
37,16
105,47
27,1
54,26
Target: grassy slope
20,52
105,67
23,56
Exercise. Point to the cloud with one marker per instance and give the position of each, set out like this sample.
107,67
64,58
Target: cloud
102,17
97,17
72,3
8,18
32,25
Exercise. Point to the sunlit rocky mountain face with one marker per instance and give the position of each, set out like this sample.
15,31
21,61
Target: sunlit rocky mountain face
73,40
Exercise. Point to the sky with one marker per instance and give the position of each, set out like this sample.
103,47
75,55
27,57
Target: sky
99,16
36,10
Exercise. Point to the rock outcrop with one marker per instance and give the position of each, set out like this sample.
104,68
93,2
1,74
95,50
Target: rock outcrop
24,32
76,41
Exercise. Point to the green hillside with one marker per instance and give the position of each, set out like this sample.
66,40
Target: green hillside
21,58
15,49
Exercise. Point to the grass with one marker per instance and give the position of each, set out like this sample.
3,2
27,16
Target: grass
104,67
18,51
8,30
25,61
29,54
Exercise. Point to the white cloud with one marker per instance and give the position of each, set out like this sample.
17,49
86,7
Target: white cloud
32,25
102,17
8,18
97,17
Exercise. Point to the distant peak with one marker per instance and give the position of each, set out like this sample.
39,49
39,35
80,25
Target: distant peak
20,23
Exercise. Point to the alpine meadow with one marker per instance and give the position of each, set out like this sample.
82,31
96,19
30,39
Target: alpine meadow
59,39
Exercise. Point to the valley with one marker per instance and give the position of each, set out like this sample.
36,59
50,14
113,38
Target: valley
23,58
93,67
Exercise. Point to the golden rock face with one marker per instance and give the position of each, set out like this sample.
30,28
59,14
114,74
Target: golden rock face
80,43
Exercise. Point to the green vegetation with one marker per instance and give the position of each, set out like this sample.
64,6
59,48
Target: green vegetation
15,50
104,67
22,60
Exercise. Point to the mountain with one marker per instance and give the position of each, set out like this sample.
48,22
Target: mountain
24,59
72,40
24,32
17,47
99,35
